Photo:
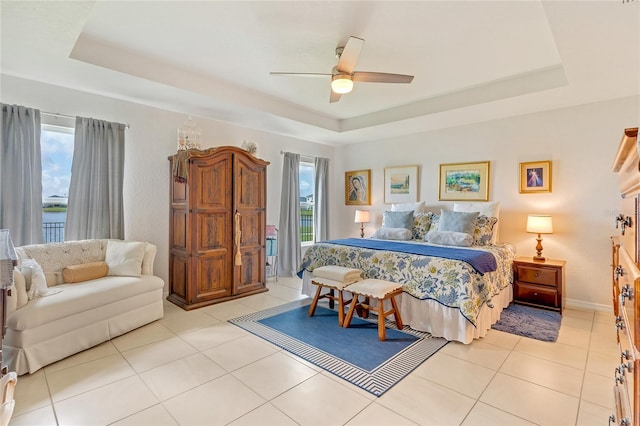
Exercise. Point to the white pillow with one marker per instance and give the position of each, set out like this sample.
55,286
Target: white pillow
38,285
418,207
450,238
393,234
489,209
124,258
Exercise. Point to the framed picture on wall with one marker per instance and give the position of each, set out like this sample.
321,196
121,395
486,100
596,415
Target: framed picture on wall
535,177
464,182
357,188
401,184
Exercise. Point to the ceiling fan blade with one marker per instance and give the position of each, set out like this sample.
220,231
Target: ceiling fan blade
302,74
350,55
381,77
334,97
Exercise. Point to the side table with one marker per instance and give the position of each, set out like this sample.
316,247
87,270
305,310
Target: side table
539,284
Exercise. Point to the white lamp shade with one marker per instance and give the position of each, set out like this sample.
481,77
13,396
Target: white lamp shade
539,224
362,216
341,83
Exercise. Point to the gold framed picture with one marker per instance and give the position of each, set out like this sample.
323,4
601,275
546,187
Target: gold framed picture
357,188
535,177
464,182
401,184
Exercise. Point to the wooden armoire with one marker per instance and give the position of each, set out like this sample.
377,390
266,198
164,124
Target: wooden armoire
217,226
626,282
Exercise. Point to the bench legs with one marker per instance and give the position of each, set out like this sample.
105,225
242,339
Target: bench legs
314,303
332,298
396,313
382,330
382,314
352,308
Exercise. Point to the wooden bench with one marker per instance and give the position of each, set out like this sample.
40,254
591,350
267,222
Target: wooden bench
380,290
332,286
334,278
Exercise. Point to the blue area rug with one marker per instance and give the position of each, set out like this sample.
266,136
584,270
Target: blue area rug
536,323
354,354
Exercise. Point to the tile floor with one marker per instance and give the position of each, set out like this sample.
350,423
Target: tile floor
194,368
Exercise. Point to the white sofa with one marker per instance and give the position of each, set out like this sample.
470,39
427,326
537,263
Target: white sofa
83,314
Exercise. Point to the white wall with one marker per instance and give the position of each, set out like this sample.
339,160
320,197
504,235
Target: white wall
581,142
150,140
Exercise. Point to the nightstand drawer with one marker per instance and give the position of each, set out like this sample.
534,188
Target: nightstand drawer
541,276
536,295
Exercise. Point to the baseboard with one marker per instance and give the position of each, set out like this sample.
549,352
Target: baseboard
581,304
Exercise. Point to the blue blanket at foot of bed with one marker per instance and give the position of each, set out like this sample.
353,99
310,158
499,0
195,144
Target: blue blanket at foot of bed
481,261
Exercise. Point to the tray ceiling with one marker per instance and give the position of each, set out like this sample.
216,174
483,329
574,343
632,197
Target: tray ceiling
472,60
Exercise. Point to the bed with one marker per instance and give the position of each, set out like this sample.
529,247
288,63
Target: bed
444,292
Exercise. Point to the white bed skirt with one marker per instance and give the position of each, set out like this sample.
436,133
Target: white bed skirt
439,320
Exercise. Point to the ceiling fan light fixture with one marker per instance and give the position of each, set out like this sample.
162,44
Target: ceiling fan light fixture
341,83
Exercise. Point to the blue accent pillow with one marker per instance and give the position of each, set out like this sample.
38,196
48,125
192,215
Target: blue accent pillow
398,219
457,221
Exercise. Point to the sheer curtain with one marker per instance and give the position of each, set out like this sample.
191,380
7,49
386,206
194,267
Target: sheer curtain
289,252
21,174
321,216
95,191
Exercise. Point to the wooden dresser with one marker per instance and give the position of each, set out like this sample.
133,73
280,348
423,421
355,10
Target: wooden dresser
626,283
217,226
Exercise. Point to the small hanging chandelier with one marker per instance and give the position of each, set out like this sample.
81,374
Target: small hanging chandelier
189,136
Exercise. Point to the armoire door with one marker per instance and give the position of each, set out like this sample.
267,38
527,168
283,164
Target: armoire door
250,194
211,213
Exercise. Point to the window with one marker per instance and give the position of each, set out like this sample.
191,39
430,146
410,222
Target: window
307,188
56,145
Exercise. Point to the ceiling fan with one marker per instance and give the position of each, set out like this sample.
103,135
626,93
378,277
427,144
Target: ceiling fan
343,75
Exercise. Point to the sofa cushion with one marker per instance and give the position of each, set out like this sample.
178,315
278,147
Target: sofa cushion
80,297
38,283
150,251
85,272
53,257
11,300
21,289
124,258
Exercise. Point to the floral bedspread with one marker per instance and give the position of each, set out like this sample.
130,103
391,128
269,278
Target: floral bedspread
453,283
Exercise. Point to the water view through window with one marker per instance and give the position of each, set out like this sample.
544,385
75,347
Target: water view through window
56,144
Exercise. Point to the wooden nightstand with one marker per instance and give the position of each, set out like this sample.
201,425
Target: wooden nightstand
539,283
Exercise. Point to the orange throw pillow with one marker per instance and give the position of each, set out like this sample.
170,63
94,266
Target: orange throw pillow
84,272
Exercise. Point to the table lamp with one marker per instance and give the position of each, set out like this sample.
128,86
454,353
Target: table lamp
539,224
362,217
